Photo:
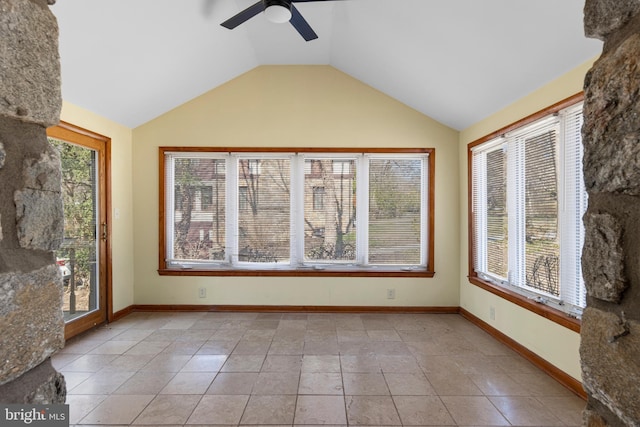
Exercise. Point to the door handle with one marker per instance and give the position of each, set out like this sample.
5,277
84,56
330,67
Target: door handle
104,231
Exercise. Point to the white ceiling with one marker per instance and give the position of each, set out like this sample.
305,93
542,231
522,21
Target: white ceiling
457,61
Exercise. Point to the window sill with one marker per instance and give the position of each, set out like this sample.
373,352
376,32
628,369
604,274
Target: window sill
547,312
307,272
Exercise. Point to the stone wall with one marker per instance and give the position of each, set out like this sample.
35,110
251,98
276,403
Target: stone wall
31,215
610,336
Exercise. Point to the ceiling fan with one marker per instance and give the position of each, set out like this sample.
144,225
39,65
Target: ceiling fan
277,11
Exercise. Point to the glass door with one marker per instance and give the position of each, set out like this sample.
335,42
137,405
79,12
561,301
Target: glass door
82,258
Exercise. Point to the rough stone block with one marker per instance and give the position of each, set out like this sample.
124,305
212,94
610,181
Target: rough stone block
31,318
30,66
3,156
42,385
609,351
602,17
44,173
603,257
40,219
611,133
39,210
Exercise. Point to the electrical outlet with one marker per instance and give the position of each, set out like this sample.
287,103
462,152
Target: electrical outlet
202,292
391,294
492,313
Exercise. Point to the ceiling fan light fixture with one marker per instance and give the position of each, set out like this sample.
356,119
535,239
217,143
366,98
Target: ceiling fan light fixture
277,11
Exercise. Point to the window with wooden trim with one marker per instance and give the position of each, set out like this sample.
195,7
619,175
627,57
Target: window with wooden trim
298,211
527,202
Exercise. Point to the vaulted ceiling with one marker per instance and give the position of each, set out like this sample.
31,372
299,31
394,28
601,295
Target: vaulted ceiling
456,61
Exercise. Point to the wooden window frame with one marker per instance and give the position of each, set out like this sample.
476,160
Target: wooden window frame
545,311
428,271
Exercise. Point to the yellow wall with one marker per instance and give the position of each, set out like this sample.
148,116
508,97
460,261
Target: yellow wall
121,197
554,343
291,106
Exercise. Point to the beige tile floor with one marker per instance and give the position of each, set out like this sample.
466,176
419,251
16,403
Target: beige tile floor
230,369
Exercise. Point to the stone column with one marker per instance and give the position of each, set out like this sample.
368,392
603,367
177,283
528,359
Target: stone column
31,215
610,336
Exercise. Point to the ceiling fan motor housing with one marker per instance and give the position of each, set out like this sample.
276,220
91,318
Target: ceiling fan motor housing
278,11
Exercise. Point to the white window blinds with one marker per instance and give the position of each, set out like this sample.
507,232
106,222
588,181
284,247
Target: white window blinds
330,232
395,210
528,200
263,209
573,206
286,210
197,198
533,195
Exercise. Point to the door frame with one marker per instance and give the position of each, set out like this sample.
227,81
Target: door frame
74,134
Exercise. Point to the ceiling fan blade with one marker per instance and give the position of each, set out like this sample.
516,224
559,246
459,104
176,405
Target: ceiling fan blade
301,25
243,16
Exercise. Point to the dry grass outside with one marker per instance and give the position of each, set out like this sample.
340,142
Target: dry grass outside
542,263
82,295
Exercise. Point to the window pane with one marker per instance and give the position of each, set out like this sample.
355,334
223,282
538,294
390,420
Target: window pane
262,223
243,200
394,211
199,217
541,167
79,254
497,218
541,213
206,197
575,201
318,198
330,233
263,210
